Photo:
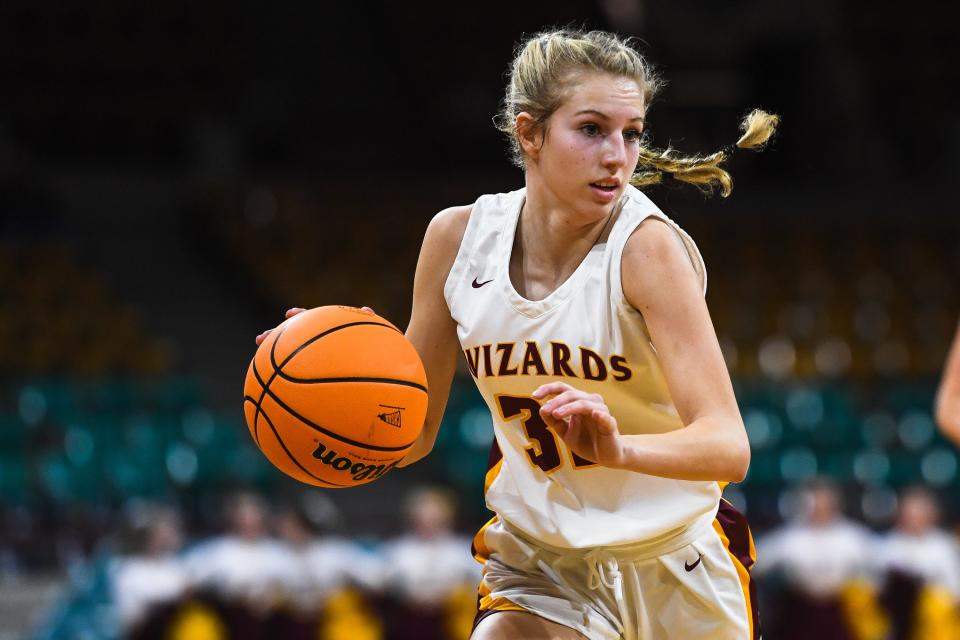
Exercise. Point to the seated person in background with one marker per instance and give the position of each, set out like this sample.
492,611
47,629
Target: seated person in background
948,397
921,566
430,576
323,578
148,578
241,572
820,555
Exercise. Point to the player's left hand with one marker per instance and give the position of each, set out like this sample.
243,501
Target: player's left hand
583,421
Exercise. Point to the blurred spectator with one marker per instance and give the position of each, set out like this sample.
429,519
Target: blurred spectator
320,574
148,578
921,565
242,573
823,560
948,397
430,577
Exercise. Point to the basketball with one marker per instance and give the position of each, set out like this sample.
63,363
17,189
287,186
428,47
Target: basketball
335,396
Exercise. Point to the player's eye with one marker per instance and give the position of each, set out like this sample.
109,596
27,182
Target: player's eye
632,135
591,129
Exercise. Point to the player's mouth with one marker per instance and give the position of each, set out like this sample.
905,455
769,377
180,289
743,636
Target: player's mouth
606,189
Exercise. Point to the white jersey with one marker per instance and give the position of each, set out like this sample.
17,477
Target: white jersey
585,333
819,559
427,571
237,568
140,583
933,556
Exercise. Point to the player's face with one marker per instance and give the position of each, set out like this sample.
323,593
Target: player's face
165,537
917,514
592,142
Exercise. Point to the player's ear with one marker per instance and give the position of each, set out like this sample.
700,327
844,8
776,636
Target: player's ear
530,134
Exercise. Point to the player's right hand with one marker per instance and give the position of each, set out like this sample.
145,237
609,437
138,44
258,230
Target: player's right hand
289,314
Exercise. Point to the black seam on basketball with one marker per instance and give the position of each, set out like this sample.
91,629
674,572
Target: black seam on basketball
277,368
256,417
303,346
263,391
260,410
317,427
290,455
256,404
405,383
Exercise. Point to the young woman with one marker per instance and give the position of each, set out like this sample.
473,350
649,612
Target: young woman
579,307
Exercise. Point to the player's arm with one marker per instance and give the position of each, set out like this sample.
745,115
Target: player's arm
660,282
432,330
948,396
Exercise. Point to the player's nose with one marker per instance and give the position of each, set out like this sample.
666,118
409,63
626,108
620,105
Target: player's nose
614,152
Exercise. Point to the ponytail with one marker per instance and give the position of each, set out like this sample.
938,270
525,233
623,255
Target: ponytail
705,172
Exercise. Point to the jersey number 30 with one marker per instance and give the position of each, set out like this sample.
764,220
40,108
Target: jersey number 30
543,446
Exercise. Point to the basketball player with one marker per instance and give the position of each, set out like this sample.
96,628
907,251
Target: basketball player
948,397
579,307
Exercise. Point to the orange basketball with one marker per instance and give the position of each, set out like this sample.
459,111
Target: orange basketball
335,396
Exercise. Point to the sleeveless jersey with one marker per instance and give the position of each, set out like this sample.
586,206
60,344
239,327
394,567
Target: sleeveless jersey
586,334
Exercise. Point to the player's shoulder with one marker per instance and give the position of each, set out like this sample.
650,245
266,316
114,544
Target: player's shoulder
652,234
451,223
444,235
655,248
488,208
449,227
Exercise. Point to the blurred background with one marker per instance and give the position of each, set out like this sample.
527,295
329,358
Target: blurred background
173,178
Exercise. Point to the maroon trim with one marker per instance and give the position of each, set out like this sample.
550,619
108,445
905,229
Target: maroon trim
495,455
737,530
481,615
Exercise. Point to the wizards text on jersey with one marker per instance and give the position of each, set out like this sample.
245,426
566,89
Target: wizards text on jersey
554,359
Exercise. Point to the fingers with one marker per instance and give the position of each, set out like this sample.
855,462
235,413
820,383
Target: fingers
573,395
582,407
598,414
608,424
562,399
292,311
558,425
551,388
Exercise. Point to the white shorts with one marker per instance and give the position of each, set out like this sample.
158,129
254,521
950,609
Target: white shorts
701,590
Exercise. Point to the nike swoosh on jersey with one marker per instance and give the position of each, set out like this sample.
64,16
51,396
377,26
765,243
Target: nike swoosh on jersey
477,285
691,567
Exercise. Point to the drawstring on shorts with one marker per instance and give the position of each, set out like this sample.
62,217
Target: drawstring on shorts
604,570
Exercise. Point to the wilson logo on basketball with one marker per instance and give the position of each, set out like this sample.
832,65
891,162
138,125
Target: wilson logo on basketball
358,470
391,417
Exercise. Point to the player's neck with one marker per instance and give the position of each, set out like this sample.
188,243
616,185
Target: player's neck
554,236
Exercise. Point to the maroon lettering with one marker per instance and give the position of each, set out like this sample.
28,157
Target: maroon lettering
561,360
532,359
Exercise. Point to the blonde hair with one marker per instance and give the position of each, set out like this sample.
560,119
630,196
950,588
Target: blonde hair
545,68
